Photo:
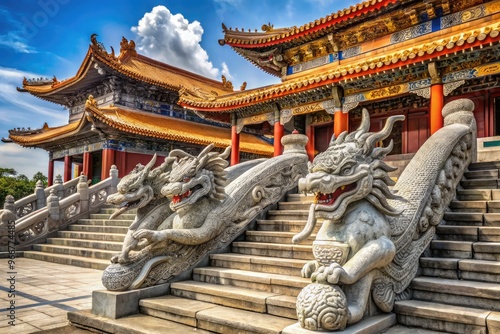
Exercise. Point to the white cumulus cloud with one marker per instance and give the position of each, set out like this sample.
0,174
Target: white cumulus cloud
172,39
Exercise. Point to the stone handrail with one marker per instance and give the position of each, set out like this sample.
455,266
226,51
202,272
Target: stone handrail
38,199
58,212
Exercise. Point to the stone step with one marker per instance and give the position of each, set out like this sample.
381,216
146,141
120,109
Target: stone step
476,269
294,206
235,297
105,222
491,219
275,237
479,295
474,194
463,218
480,270
479,184
99,229
288,214
451,249
212,317
439,267
125,216
75,251
117,237
495,194
468,206
68,259
275,283
487,251
482,174
458,233
300,198
441,317
105,245
494,206
111,210
133,324
294,226
468,233
489,233
288,251
484,165
272,265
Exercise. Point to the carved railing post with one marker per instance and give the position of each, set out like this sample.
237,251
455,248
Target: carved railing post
58,186
113,173
54,210
40,195
83,189
7,217
9,203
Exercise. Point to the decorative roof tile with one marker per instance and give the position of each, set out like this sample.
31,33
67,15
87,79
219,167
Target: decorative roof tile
149,125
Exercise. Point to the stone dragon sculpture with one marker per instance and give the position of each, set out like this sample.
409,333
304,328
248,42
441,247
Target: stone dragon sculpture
371,238
141,190
208,212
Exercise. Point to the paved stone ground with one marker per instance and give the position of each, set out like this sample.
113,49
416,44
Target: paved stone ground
45,292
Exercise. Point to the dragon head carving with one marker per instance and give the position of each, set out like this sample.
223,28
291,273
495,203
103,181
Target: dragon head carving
192,178
351,169
140,186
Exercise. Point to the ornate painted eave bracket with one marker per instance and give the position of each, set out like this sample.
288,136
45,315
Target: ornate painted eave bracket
479,37
450,81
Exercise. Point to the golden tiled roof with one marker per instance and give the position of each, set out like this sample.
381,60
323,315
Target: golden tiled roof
150,125
271,36
138,67
47,134
421,49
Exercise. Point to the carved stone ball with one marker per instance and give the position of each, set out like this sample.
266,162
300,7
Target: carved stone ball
322,307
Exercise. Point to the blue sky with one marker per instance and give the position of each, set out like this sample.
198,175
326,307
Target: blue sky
43,38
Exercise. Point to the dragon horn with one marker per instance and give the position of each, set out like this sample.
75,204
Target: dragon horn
365,124
226,153
203,156
179,154
205,151
332,140
382,134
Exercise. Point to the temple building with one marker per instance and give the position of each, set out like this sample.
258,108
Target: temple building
389,56
122,110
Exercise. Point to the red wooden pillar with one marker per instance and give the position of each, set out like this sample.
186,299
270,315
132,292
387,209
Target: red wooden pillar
67,168
437,103
235,141
279,129
108,160
340,122
437,98
310,142
50,180
87,164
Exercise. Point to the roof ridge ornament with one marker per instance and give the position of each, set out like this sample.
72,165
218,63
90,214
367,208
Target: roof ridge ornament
127,48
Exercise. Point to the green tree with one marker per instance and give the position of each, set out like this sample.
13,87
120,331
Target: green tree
18,186
7,171
40,177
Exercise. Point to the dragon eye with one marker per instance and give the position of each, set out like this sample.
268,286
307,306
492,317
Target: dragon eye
186,179
346,171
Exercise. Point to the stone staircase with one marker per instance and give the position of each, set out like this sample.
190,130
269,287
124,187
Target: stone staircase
253,289
459,287
90,243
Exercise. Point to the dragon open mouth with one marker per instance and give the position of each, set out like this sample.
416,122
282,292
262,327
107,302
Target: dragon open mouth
329,199
179,198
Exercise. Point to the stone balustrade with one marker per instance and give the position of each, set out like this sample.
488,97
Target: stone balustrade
48,210
38,199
